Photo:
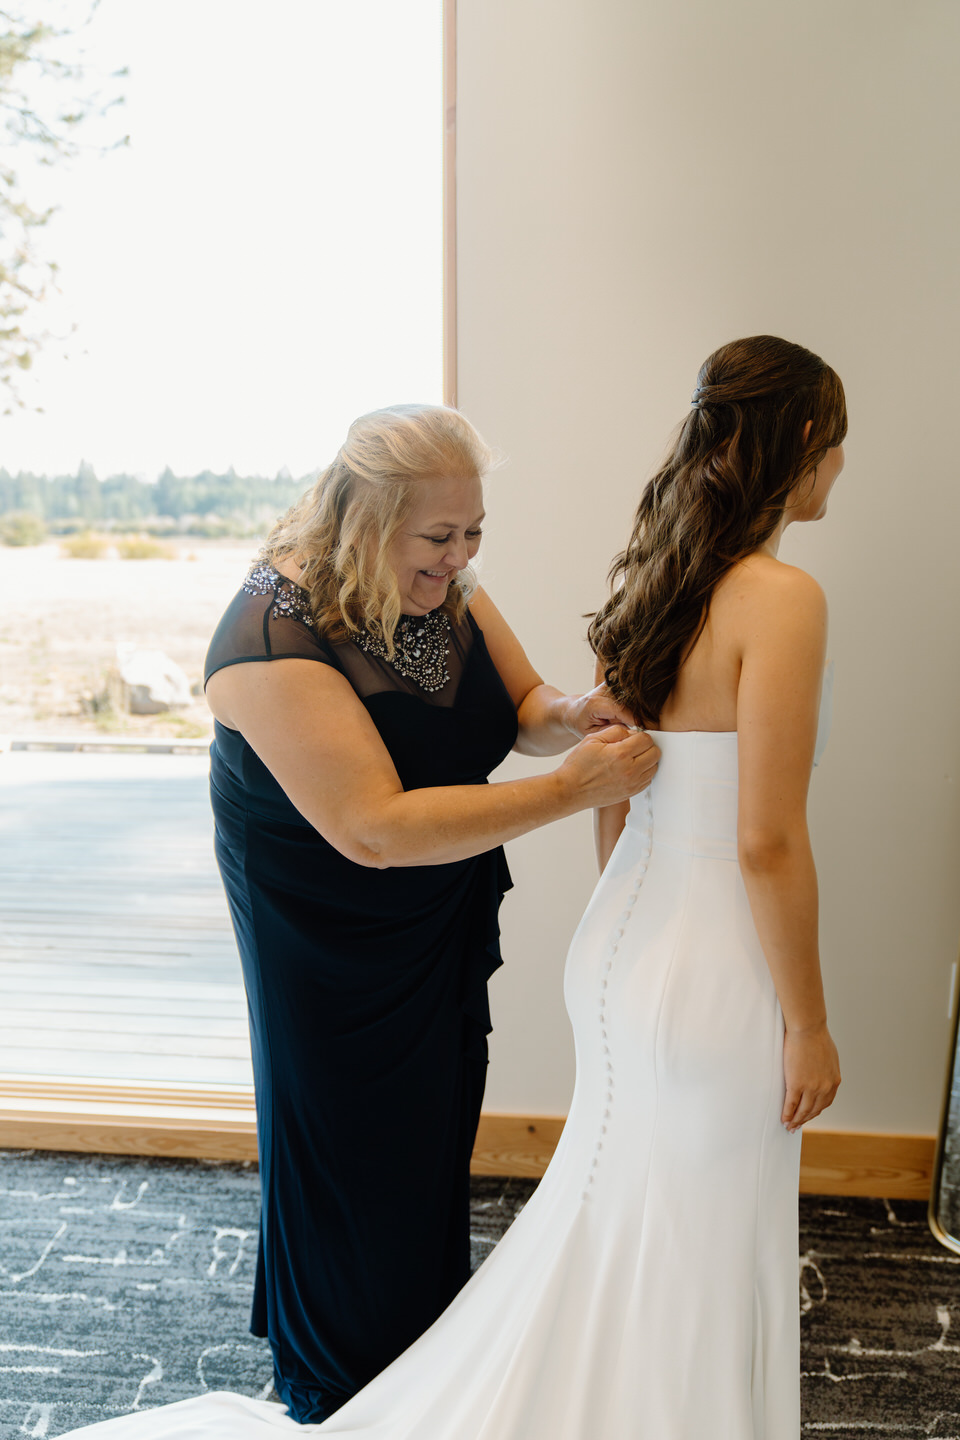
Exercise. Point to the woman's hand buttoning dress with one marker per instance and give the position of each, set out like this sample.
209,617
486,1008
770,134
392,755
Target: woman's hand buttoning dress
649,1287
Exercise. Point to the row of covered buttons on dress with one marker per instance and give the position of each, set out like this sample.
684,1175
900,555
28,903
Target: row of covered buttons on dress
617,936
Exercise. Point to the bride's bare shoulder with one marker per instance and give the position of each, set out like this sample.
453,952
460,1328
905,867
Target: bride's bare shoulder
763,602
762,579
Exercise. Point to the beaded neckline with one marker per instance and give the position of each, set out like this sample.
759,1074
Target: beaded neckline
421,643
421,649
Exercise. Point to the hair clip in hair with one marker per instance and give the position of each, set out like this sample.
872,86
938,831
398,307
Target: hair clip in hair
695,399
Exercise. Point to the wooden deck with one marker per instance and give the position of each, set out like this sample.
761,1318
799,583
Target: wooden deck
117,959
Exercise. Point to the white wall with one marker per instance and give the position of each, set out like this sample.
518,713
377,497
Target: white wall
638,182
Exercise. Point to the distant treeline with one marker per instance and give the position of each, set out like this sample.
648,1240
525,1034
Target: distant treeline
231,501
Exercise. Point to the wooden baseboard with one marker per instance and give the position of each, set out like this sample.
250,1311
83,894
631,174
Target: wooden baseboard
851,1162
520,1145
220,1125
107,1119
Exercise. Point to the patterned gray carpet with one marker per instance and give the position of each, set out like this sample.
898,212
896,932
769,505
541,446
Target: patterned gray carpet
125,1284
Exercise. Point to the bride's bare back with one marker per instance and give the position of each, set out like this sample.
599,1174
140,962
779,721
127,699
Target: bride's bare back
749,597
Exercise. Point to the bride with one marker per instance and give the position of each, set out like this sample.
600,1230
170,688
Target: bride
648,1291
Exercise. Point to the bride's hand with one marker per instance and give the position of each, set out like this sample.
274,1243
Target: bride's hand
811,1070
611,764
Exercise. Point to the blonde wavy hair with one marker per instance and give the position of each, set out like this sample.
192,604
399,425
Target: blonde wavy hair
339,532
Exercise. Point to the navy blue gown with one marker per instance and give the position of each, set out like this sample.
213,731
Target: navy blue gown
368,1014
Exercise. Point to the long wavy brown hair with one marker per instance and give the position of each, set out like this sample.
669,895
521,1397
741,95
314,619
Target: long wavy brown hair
718,496
340,531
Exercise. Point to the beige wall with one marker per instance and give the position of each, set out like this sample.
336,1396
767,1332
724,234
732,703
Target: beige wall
637,183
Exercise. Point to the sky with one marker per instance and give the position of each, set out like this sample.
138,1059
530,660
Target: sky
263,261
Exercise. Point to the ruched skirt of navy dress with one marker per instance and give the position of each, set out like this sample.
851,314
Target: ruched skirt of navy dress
368,1015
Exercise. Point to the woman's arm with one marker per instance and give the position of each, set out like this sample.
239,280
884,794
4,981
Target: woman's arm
782,656
549,721
316,738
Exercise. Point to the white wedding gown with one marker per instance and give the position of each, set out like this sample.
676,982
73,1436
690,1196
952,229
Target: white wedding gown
648,1291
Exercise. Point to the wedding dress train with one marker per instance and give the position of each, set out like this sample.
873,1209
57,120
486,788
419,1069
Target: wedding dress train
648,1290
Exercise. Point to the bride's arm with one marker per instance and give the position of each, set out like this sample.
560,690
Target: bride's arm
608,825
609,821
783,646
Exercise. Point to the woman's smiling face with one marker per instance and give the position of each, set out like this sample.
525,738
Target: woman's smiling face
436,541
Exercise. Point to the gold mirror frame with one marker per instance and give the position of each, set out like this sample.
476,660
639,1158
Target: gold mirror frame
943,1229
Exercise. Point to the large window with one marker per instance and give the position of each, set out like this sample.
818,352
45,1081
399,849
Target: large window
259,264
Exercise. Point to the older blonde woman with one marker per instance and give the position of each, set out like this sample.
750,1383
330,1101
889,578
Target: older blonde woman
363,692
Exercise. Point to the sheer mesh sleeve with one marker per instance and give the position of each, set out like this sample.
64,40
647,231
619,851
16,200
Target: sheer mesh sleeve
268,619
